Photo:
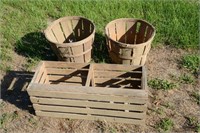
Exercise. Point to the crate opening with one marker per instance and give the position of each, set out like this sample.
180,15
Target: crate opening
120,78
66,74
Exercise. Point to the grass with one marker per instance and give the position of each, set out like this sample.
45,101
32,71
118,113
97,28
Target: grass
165,124
187,79
195,95
193,122
7,118
22,22
168,105
33,121
30,63
191,62
160,84
160,111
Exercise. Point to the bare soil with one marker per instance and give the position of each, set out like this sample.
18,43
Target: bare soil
163,62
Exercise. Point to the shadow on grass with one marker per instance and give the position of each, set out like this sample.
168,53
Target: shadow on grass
34,45
100,51
13,89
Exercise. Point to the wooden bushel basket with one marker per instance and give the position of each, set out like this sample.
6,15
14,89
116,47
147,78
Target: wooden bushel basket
71,38
129,40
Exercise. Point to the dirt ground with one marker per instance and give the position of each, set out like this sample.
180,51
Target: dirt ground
163,62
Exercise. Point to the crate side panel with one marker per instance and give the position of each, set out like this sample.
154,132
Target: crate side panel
89,117
89,111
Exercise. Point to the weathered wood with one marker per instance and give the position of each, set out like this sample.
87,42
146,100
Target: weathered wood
132,74
81,103
65,65
39,72
141,34
89,111
106,91
136,100
116,67
121,29
66,78
129,49
144,79
131,32
51,35
67,83
44,77
89,76
58,33
68,36
72,72
67,27
11,86
90,117
62,89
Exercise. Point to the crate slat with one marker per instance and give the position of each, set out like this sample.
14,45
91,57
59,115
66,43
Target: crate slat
89,78
66,78
89,111
66,83
136,100
116,67
66,71
81,103
53,64
136,74
89,90
39,73
89,117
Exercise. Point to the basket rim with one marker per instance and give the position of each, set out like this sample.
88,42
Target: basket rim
72,43
129,44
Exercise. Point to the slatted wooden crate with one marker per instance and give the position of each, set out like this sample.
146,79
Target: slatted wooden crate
115,93
129,40
71,38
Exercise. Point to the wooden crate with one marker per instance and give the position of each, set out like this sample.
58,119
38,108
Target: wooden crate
71,38
129,40
110,92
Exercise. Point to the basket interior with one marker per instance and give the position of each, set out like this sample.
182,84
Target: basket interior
119,76
67,30
129,31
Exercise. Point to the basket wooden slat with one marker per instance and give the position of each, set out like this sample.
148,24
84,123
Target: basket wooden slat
115,93
71,38
129,40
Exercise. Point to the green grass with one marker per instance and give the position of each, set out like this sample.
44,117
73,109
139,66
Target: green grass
6,118
191,62
165,124
187,79
168,105
161,84
176,23
195,95
193,123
